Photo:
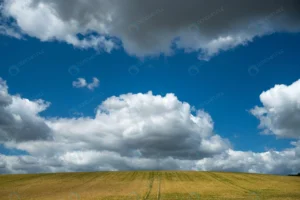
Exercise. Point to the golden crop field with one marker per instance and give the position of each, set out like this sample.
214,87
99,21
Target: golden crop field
150,185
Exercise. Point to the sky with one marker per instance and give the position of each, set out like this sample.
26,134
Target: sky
113,85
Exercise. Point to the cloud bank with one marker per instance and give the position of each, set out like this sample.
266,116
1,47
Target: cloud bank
151,27
128,132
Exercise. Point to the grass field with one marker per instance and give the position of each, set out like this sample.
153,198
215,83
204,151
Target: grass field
148,185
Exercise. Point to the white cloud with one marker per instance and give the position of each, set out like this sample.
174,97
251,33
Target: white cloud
8,28
280,113
130,131
5,30
94,84
19,119
276,162
154,27
158,127
144,122
81,83
41,21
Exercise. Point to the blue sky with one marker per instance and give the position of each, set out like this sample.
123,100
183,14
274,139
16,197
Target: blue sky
222,86
225,86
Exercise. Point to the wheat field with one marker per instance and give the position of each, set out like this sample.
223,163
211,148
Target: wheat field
149,185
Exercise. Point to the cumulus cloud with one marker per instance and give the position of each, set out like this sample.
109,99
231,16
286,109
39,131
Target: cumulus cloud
128,132
19,119
276,162
81,83
280,113
141,123
154,27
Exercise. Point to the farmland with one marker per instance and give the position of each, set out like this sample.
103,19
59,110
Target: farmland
149,185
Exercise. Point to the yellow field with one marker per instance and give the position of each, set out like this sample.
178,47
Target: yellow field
148,185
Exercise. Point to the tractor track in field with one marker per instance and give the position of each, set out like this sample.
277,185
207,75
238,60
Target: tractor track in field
153,177
150,186
158,190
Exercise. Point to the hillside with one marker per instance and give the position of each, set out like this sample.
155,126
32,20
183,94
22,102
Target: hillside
148,185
